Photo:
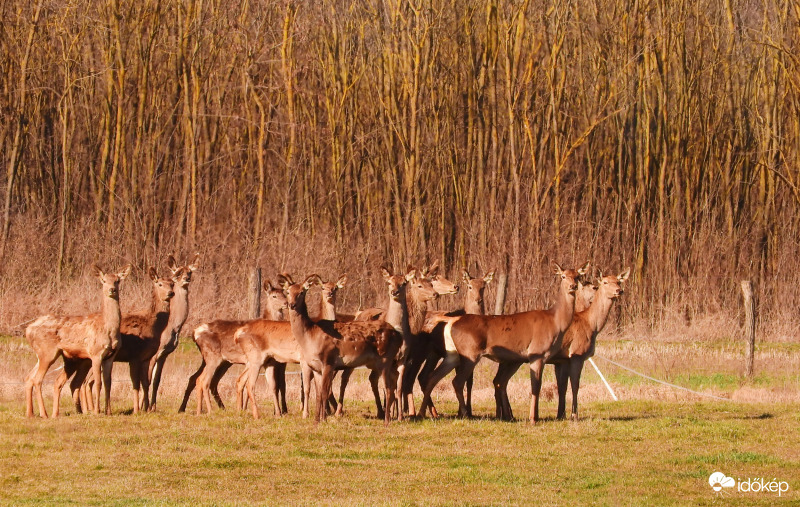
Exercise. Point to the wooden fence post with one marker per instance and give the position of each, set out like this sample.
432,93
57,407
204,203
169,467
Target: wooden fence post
749,325
254,296
500,302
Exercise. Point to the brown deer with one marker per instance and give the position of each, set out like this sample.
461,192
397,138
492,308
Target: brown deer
92,337
178,312
329,345
510,340
141,336
219,351
409,296
434,327
441,285
580,339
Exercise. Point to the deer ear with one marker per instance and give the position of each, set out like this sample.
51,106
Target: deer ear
171,264
312,280
433,270
267,285
412,273
195,262
153,273
489,276
599,276
465,276
386,273
125,272
556,268
342,281
284,281
584,269
624,275
96,271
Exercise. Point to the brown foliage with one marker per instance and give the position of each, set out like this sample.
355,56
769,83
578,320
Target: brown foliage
342,134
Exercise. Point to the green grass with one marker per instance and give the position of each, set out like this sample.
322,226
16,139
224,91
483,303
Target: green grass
624,453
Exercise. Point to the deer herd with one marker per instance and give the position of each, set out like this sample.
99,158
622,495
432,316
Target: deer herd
402,343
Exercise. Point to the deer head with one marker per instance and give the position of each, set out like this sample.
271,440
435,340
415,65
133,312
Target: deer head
182,275
276,299
396,284
111,281
570,277
162,287
611,285
329,289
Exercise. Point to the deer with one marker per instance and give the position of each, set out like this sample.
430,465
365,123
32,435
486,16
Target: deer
409,297
178,312
219,351
531,337
141,337
580,339
328,345
93,337
434,327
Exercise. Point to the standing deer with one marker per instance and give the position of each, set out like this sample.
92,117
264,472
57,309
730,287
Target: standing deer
580,339
141,337
409,296
473,305
510,340
329,345
178,312
93,337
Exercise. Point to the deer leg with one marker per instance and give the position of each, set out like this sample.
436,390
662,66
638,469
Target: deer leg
562,378
58,384
80,387
536,366
306,378
218,373
324,391
575,369
190,387
374,376
33,384
431,362
272,387
252,377
144,380
504,373
401,402
206,383
241,386
448,364
342,387
108,365
155,371
136,383
463,371
390,379
280,386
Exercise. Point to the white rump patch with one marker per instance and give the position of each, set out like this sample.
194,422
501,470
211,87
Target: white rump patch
449,344
202,328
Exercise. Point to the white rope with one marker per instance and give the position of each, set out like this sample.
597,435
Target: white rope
604,380
661,381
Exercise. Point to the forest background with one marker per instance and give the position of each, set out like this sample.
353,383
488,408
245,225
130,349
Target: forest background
334,136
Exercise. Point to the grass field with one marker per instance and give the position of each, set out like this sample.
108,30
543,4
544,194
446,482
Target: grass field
625,453
656,446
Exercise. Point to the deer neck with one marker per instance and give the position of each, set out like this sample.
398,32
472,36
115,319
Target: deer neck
416,311
564,310
300,321
598,311
111,314
179,307
397,313
274,313
327,309
474,306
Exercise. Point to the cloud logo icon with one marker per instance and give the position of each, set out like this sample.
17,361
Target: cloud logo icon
718,480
